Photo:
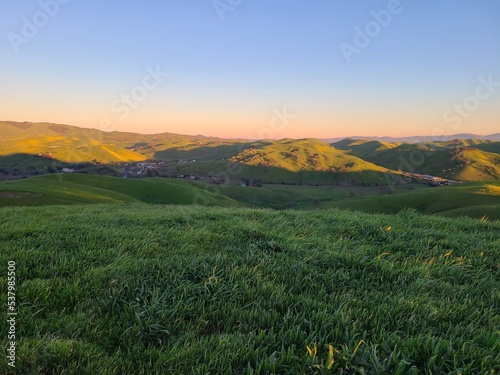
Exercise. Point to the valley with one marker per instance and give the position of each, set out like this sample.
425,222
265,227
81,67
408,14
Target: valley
60,164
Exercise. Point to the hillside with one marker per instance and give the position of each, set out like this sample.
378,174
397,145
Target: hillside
301,155
89,189
168,289
364,148
289,160
63,143
56,144
464,160
480,200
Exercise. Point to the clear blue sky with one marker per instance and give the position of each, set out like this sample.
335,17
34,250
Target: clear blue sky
229,77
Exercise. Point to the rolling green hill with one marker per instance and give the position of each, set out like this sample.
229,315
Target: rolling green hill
62,142
306,160
82,188
302,155
485,145
73,144
464,160
142,289
363,148
471,199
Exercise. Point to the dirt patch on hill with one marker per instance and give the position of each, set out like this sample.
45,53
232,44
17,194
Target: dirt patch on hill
18,194
58,128
19,125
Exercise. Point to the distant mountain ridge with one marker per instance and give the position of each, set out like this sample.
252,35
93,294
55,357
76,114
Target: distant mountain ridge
419,139
410,139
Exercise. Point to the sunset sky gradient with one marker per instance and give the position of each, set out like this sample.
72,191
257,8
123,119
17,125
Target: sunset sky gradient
228,73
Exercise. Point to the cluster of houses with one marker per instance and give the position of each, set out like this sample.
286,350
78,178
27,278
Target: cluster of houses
431,179
145,167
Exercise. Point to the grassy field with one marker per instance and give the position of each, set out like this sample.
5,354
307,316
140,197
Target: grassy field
305,197
141,289
473,199
83,188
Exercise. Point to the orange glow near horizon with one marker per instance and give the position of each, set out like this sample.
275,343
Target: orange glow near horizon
258,124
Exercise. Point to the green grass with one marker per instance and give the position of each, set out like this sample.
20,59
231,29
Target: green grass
471,199
279,196
142,289
83,188
303,197
50,190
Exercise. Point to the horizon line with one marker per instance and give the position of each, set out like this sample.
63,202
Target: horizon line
259,139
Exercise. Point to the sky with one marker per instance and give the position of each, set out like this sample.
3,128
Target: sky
254,68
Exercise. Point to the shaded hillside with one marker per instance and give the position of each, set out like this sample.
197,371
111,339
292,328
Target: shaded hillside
209,151
82,188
